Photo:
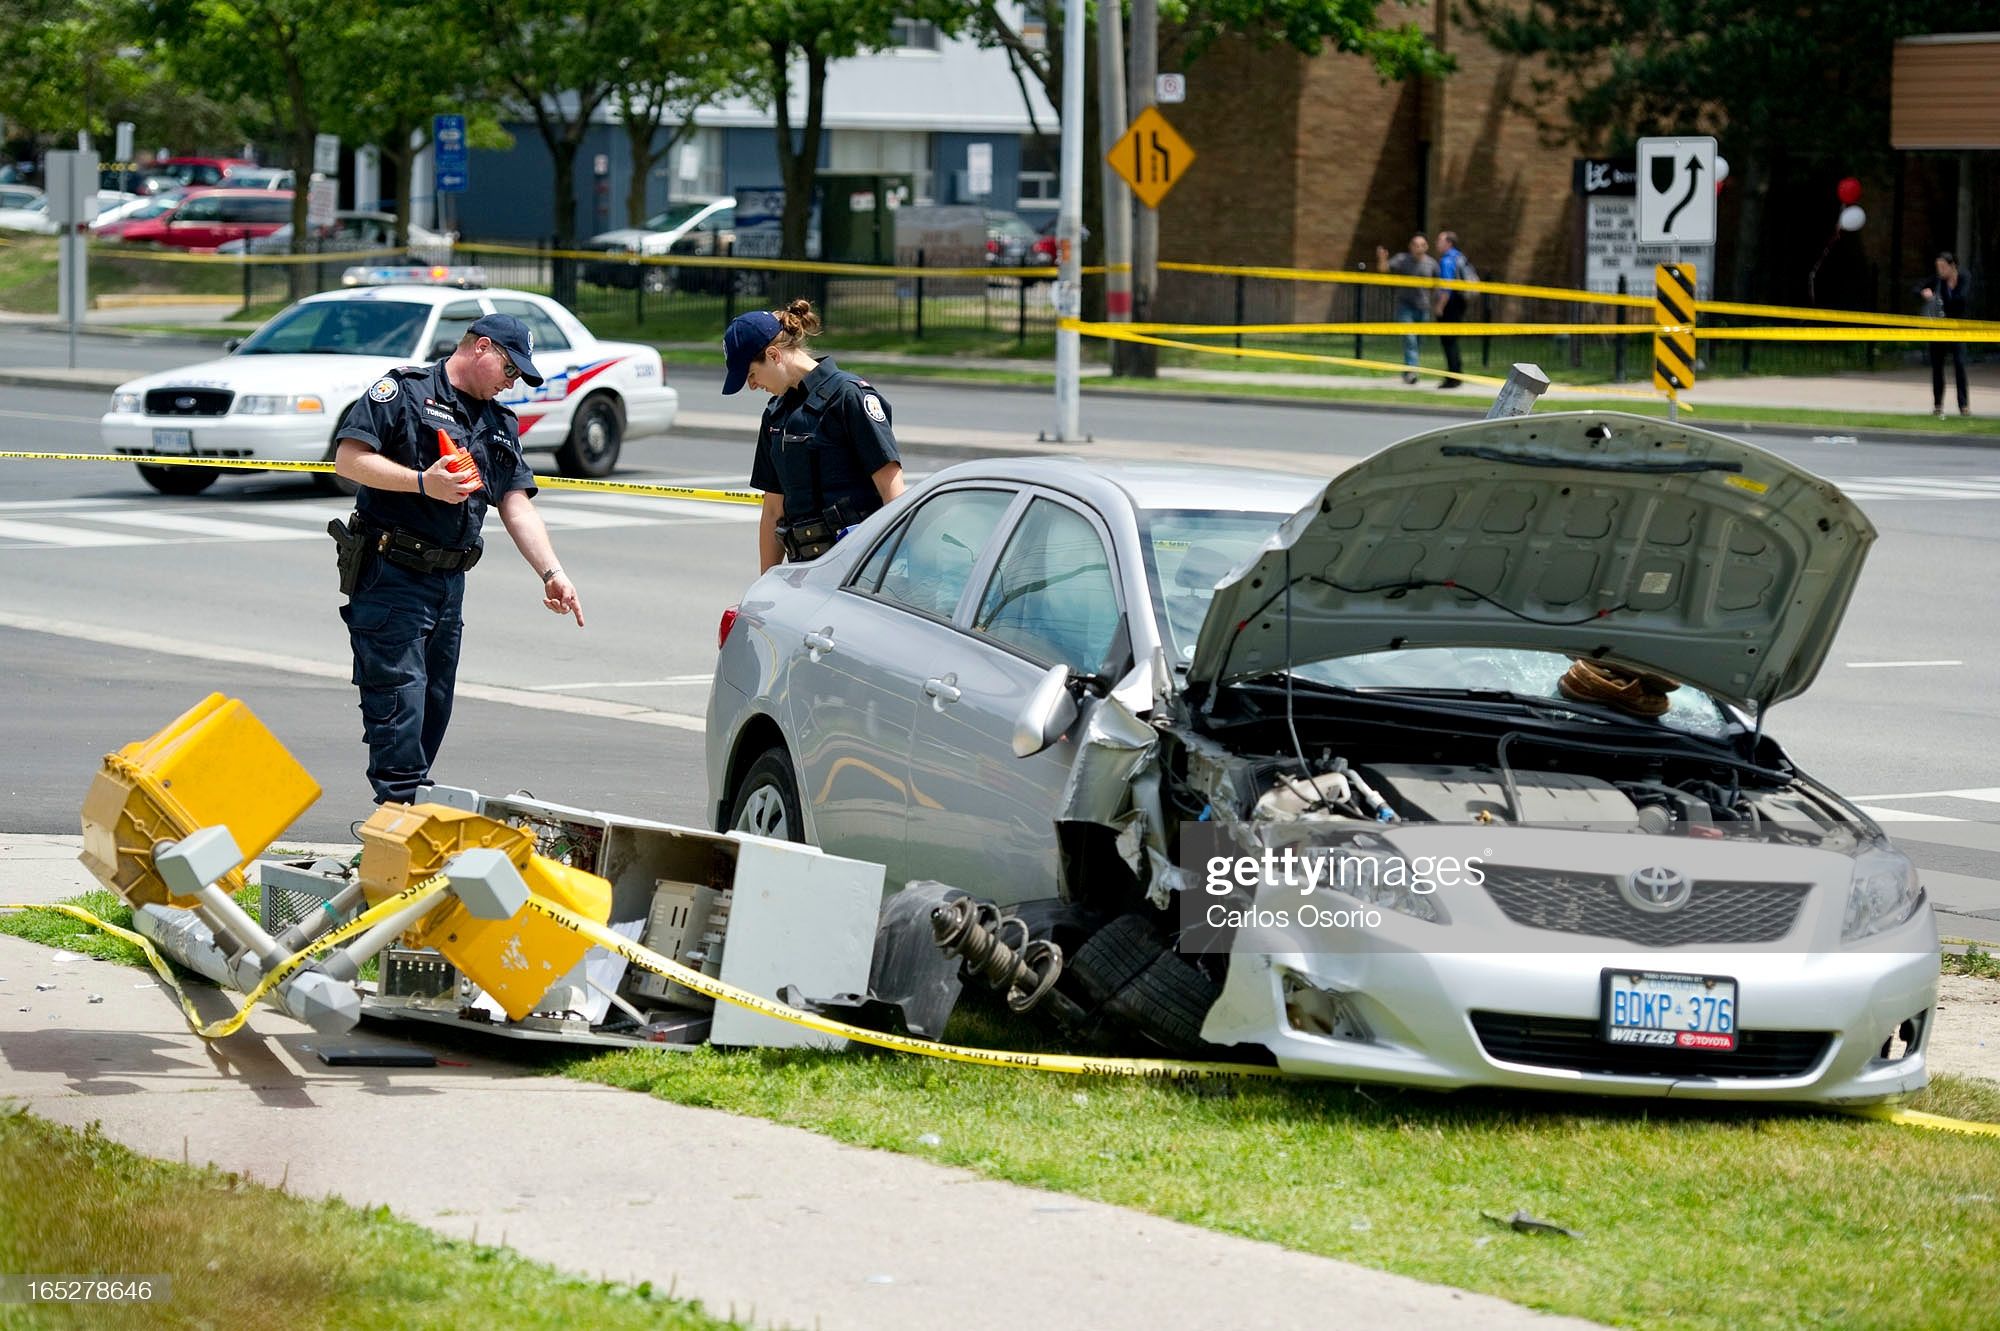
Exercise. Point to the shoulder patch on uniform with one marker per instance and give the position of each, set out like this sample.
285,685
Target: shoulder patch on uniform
385,390
873,406
862,382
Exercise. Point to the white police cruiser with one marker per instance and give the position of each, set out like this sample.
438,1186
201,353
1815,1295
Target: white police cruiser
282,392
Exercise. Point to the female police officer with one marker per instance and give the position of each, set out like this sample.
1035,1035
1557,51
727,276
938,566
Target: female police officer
826,457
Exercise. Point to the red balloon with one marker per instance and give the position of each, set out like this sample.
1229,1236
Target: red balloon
1849,191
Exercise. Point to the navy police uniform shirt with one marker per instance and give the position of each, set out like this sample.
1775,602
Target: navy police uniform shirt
833,422
399,417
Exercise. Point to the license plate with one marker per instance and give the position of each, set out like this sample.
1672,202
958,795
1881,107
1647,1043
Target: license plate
173,441
1669,1010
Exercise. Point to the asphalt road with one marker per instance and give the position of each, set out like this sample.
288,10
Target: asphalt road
119,607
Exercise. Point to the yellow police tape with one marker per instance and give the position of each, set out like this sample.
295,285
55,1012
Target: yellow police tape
758,264
1632,300
1119,333
1931,331
1154,1069
652,488
216,1030
234,260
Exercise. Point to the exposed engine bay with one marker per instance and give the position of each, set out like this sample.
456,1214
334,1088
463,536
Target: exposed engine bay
1380,759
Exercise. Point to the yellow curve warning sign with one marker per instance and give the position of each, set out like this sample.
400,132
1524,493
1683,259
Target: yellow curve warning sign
1151,157
1673,309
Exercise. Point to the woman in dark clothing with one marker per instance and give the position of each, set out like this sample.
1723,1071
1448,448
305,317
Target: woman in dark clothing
1945,299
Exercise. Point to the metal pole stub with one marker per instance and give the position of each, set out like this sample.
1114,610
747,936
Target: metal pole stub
1517,396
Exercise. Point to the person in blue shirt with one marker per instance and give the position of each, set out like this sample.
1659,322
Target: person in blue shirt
826,454
418,521
1453,266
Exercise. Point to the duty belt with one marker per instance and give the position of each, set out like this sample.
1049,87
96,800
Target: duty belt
418,555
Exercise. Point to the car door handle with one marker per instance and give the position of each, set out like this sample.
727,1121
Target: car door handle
942,691
822,641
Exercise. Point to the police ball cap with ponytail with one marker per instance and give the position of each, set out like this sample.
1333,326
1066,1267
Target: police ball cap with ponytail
748,335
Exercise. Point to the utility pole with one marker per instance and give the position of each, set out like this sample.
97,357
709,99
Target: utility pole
1144,362
1069,232
1116,194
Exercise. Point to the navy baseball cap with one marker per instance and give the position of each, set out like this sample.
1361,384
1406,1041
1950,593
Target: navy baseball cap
513,337
744,341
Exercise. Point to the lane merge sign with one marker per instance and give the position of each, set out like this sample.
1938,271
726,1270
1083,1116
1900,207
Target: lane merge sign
1676,191
1151,157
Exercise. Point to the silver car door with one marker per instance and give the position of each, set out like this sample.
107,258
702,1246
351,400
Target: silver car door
855,676
981,818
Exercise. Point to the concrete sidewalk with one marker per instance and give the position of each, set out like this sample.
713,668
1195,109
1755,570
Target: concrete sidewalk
764,1222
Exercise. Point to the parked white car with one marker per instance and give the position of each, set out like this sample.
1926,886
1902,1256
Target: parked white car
283,392
34,215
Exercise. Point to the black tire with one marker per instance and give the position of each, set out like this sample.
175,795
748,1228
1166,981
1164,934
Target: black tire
1113,957
767,799
1167,1003
179,480
595,437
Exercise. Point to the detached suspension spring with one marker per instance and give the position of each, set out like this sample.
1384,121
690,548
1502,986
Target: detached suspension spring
972,930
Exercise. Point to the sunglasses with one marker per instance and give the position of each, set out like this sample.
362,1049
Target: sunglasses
508,369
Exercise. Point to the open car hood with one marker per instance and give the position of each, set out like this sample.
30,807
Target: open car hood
1597,534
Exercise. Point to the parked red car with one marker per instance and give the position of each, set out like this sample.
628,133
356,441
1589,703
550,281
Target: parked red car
213,217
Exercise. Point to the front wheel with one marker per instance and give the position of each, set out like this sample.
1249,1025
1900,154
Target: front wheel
767,799
179,480
594,439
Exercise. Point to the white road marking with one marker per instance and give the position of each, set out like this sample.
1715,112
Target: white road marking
43,534
624,683
49,416
27,505
1984,794
234,531
712,510
601,708
1897,665
1885,815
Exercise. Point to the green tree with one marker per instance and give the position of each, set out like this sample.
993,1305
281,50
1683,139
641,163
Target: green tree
403,63
1791,92
797,39
274,54
85,65
558,61
683,61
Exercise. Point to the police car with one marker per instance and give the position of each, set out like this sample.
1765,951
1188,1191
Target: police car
281,394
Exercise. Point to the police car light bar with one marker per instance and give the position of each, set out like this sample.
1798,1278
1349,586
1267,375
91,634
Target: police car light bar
434,275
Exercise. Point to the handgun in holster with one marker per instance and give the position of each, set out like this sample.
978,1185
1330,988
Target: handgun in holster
815,536
350,546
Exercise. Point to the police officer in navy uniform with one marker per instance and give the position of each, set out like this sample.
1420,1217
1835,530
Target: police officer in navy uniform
418,522
826,457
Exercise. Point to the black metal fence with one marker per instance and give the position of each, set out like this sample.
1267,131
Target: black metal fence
998,308
1246,300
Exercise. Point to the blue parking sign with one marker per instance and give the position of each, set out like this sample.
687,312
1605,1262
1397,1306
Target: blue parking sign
450,157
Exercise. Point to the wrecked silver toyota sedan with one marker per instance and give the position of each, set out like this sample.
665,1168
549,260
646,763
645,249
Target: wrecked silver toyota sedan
1449,772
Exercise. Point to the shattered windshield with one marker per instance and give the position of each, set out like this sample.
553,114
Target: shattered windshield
342,328
1188,551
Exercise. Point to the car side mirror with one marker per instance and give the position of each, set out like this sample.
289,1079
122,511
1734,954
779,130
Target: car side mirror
229,347
1049,711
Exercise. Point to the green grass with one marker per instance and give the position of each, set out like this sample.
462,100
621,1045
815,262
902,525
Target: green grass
52,929
240,1255
1684,1208
28,276
1718,1217
1975,961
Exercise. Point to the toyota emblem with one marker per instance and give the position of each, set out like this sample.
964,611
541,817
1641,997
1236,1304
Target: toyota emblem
183,404
1657,889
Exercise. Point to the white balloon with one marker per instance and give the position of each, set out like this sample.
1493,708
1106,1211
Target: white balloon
1852,218
1721,169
